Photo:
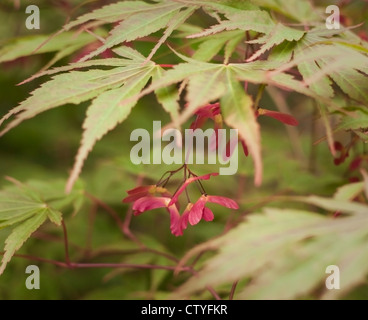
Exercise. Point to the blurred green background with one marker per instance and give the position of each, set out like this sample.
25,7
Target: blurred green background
44,149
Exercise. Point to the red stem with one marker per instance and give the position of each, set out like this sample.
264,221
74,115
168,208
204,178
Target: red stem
232,292
166,65
66,243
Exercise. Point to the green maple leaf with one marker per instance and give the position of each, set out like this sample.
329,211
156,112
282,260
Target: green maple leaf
141,24
278,35
255,20
238,112
296,246
107,111
111,13
29,45
28,206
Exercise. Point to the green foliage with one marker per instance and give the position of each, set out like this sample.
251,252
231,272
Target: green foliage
27,206
25,46
285,253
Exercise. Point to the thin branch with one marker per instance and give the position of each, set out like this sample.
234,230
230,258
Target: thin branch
232,291
91,222
99,38
72,265
239,195
196,259
109,252
313,137
66,243
260,91
125,228
126,265
33,258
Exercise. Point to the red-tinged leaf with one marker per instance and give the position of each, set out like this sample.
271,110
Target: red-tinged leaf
223,201
344,153
282,117
237,108
134,197
355,164
245,148
140,189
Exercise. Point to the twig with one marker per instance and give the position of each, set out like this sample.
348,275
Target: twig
66,243
128,218
91,222
313,137
232,291
293,133
72,265
260,91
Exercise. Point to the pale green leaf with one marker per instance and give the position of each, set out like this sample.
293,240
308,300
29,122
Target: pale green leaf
25,46
353,267
28,205
334,205
299,10
259,240
237,108
211,46
179,73
227,7
54,216
349,191
179,18
352,82
357,121
109,62
139,25
106,112
111,13
255,20
14,219
279,34
19,235
167,96
285,253
205,87
283,52
130,53
208,49
231,46
73,87
323,86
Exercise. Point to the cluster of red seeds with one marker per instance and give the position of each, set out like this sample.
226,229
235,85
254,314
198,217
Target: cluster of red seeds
151,197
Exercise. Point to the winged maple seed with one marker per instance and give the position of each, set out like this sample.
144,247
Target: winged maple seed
213,112
144,199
